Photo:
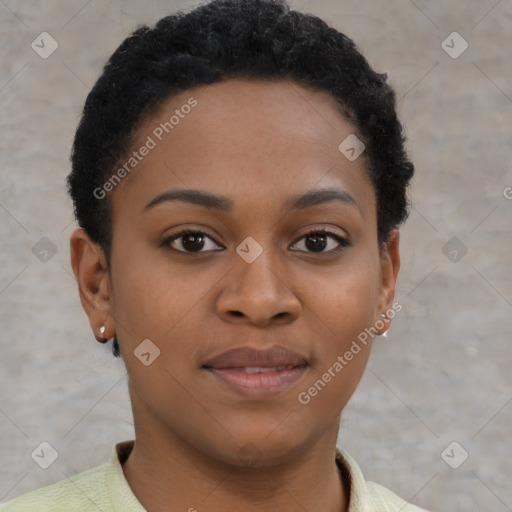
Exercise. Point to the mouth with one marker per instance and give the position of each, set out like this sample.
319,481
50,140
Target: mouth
257,373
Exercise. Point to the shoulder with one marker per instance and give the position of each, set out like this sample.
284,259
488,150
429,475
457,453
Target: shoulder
387,501
369,496
86,491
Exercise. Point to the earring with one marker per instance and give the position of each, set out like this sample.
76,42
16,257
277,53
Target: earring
102,331
385,333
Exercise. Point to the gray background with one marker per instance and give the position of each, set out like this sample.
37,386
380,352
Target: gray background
442,375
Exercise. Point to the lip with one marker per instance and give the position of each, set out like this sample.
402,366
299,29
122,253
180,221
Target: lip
257,385
272,357
281,368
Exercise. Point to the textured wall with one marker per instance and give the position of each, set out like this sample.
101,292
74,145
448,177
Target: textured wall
442,375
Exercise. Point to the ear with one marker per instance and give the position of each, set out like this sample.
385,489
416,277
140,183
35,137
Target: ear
90,268
390,265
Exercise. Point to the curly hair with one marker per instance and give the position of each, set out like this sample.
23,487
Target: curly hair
223,39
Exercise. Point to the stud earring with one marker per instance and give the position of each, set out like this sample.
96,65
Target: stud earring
102,331
385,333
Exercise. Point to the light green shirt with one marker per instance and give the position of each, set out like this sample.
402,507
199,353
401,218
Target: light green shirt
104,488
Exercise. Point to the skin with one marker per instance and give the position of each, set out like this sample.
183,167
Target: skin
257,143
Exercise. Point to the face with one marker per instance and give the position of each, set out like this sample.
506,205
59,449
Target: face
271,265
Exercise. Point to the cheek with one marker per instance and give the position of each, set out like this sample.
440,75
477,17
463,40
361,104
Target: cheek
344,344
344,313
331,386
152,296
347,303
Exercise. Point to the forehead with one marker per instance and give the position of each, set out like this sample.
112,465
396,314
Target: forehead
249,109
243,136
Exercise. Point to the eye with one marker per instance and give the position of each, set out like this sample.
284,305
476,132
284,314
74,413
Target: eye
192,241
196,241
317,241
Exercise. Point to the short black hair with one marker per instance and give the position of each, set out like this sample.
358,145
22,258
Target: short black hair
223,39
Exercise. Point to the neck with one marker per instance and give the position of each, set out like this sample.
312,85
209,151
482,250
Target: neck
166,473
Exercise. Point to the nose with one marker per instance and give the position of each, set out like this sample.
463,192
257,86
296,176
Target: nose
258,293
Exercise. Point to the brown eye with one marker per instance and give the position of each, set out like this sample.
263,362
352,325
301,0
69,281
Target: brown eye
318,241
190,241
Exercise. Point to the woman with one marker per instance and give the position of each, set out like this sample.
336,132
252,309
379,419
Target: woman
239,176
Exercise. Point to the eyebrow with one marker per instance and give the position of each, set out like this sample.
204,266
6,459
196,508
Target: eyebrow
223,203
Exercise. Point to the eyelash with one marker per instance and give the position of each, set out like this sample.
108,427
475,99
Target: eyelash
343,242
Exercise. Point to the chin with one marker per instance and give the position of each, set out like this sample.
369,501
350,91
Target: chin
259,451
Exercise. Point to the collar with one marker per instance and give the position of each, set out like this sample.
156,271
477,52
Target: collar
360,499
120,492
